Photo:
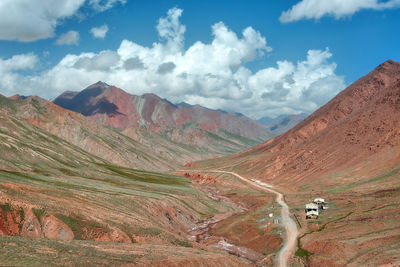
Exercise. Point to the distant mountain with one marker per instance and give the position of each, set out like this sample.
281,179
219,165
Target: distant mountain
286,123
282,123
214,132
17,97
268,121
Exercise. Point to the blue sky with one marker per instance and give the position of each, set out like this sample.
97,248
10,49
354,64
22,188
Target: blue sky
322,46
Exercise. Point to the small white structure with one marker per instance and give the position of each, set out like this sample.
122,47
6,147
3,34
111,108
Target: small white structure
271,215
319,200
311,211
321,203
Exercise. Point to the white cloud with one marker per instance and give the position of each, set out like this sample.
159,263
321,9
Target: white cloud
210,74
316,9
68,38
166,67
99,32
133,63
27,20
30,20
18,62
10,78
170,29
103,61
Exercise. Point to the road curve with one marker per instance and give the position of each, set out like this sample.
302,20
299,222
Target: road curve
291,229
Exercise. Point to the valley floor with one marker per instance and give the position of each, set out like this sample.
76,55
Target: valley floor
289,246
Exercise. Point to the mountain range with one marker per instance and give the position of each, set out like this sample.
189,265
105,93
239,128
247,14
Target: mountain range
199,132
282,123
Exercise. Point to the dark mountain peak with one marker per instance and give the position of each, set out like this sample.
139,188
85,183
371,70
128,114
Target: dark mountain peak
388,67
390,63
83,102
184,104
68,94
100,83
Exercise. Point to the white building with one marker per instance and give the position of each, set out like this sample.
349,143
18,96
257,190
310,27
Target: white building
321,203
312,211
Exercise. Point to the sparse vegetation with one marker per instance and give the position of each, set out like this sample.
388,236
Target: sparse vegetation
151,231
79,226
6,207
39,213
303,253
183,243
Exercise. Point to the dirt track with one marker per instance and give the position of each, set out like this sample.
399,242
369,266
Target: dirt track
290,226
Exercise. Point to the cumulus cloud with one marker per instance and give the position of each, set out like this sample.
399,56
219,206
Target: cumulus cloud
68,38
18,62
170,29
316,9
99,32
11,79
103,61
211,74
133,63
166,67
28,20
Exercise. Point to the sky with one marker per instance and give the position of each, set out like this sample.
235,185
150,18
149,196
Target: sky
257,57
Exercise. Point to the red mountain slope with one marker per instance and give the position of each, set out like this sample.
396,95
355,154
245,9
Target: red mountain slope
361,121
122,110
219,132
286,124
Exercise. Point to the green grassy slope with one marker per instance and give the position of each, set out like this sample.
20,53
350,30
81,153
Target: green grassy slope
95,198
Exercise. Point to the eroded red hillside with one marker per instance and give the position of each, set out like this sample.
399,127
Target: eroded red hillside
361,121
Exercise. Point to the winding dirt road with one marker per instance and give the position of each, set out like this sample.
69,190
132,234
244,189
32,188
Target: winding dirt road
291,229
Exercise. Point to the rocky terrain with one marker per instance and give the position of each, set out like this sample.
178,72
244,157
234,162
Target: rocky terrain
348,153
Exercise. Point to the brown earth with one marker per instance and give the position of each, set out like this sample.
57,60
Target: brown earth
31,226
248,233
54,228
